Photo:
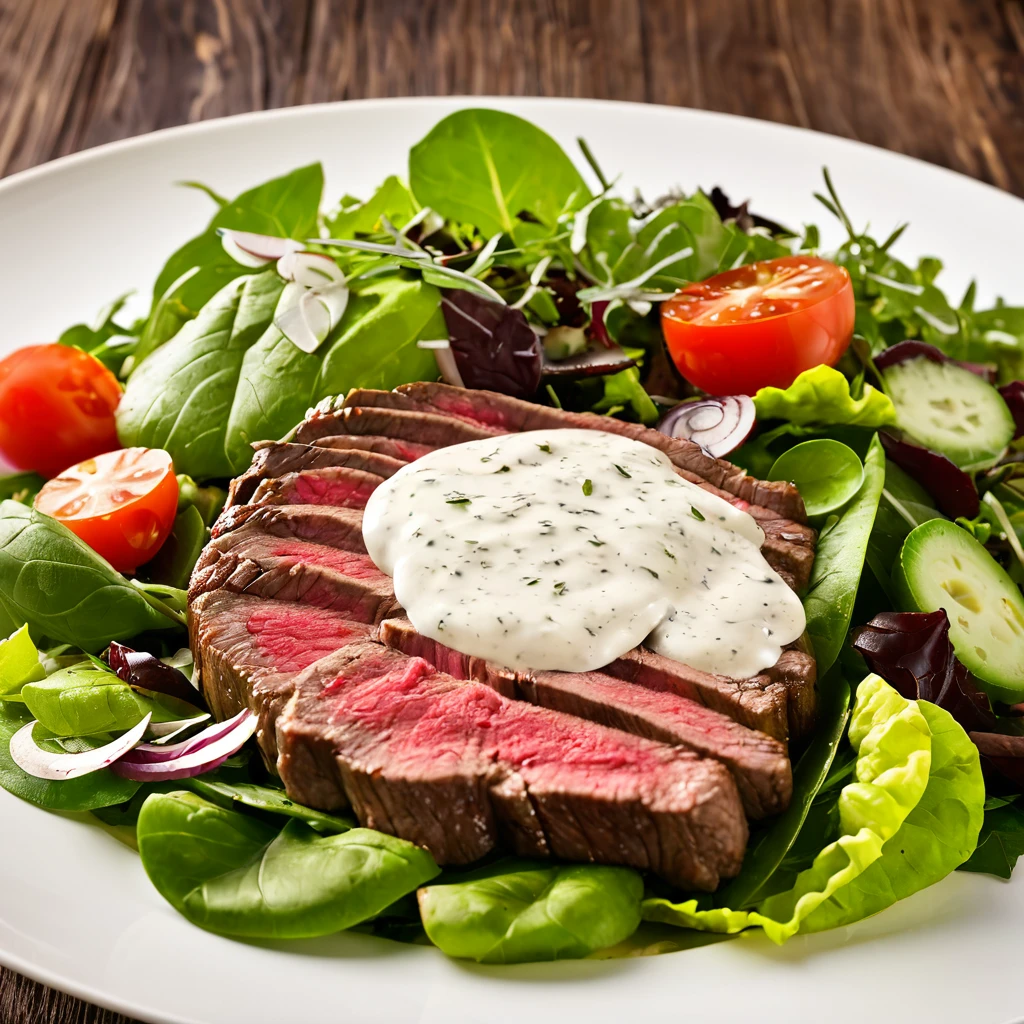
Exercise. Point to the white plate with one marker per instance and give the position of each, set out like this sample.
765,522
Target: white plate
76,910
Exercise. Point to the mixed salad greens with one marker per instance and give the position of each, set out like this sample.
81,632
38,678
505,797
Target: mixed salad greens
496,265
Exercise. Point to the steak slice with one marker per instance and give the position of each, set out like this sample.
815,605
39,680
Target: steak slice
279,459
455,767
339,486
501,414
248,562
758,763
324,524
248,652
404,425
405,451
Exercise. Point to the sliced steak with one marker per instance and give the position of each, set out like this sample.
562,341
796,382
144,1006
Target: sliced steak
460,770
757,762
248,652
346,488
425,428
501,414
324,524
406,451
279,459
259,566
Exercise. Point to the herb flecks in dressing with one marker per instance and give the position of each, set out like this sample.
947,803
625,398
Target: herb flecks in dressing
580,547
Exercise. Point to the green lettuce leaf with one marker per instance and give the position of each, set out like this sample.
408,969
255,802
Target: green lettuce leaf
518,911
822,395
19,661
894,754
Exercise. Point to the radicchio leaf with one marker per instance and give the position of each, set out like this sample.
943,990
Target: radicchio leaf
146,672
593,362
495,348
1004,753
1013,396
953,490
903,351
745,220
912,652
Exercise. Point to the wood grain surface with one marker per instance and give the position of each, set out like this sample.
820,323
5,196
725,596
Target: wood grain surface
939,79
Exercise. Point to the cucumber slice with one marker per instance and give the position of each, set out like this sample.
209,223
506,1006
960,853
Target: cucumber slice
943,566
950,410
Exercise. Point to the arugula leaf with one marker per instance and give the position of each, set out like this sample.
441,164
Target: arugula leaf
108,341
287,207
1001,841
97,789
231,874
518,910
839,562
62,588
485,167
822,395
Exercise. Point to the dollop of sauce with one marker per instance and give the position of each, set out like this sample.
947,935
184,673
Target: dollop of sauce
564,549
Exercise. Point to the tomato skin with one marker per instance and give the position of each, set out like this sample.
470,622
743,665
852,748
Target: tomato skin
121,503
56,408
771,341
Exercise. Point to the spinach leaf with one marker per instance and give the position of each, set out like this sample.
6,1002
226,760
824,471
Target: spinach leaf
98,789
485,167
263,798
392,200
21,487
234,875
768,848
83,700
287,207
177,556
374,346
826,473
1001,842
109,342
516,910
62,588
19,662
230,377
839,562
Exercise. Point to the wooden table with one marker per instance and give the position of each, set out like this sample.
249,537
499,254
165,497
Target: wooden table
939,79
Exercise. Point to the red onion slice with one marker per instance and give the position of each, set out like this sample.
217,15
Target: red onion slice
168,730
43,764
310,269
196,756
718,425
156,753
252,250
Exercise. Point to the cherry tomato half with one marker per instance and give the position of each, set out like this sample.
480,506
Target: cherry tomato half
760,325
56,408
122,504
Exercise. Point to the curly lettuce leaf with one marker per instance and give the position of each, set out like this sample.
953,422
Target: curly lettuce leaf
822,395
893,742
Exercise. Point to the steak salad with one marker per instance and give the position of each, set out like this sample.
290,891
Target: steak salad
503,564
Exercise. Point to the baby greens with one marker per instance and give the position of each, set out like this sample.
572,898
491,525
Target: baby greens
827,473
822,395
521,910
232,874
61,588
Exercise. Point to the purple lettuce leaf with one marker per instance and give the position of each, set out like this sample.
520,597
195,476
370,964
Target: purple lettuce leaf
912,652
953,490
146,672
1003,753
1013,396
494,346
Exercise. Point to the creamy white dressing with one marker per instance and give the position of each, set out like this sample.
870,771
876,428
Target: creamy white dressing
564,549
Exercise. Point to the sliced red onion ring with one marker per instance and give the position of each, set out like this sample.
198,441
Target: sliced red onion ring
314,315
202,753
718,425
252,250
310,269
446,365
43,764
167,730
